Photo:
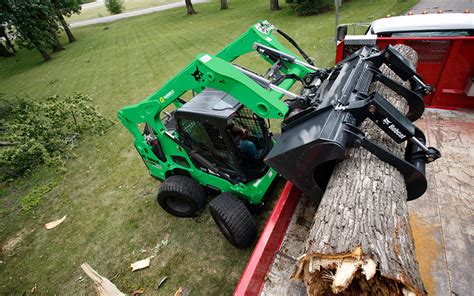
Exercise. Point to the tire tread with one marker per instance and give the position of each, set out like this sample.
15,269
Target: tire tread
184,186
238,218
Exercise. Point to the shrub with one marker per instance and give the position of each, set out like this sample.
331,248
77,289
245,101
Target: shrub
309,7
35,133
114,6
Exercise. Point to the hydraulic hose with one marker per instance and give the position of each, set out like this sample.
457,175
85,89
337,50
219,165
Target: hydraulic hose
300,50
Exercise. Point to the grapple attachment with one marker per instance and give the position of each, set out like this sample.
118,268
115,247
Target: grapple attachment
316,137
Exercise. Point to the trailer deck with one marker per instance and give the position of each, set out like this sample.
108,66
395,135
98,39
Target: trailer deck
442,219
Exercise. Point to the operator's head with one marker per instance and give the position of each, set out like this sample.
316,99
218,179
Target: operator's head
238,132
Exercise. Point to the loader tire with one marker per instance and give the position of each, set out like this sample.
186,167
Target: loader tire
181,196
233,219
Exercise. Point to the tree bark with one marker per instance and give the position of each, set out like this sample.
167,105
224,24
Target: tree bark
66,28
4,34
274,5
4,51
360,242
57,46
224,4
189,7
44,54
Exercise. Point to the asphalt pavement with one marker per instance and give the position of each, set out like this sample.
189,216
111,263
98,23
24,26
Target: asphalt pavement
433,6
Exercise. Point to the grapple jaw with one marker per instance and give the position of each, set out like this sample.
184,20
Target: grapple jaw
305,148
314,139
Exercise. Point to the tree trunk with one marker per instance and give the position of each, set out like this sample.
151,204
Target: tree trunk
224,4
44,54
57,46
4,51
4,34
274,5
360,242
189,7
66,28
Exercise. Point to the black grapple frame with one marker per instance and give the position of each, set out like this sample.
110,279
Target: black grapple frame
326,117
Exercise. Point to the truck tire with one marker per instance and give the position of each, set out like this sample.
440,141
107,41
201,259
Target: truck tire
233,219
181,196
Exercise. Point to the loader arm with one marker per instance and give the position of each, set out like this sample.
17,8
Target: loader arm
217,72
205,71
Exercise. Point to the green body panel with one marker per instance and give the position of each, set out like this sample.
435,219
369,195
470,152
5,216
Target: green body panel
214,72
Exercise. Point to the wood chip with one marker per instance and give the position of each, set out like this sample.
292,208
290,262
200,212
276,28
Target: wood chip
54,223
103,286
33,290
138,292
140,264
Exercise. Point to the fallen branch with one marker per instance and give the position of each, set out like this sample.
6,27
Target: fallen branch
103,286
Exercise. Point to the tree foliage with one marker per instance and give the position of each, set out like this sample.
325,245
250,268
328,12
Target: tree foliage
36,23
32,23
309,7
35,133
114,6
66,8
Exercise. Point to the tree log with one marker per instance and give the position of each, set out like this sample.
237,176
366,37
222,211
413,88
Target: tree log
360,242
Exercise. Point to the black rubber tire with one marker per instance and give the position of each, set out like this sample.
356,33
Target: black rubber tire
233,219
181,196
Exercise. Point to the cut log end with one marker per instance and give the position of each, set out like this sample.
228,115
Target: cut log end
348,274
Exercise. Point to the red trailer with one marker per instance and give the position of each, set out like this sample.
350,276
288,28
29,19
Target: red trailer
444,214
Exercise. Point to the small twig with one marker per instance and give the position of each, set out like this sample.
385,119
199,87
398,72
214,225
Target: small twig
75,121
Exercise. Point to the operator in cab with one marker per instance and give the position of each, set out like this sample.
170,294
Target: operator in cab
247,147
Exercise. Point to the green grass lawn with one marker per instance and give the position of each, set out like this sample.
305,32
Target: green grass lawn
129,5
113,219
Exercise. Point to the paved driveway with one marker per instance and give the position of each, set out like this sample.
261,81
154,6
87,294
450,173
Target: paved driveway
432,6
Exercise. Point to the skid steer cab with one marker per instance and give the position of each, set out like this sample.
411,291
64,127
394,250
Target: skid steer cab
218,142
225,135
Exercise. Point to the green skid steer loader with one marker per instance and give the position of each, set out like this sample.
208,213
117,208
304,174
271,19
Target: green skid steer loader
218,142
